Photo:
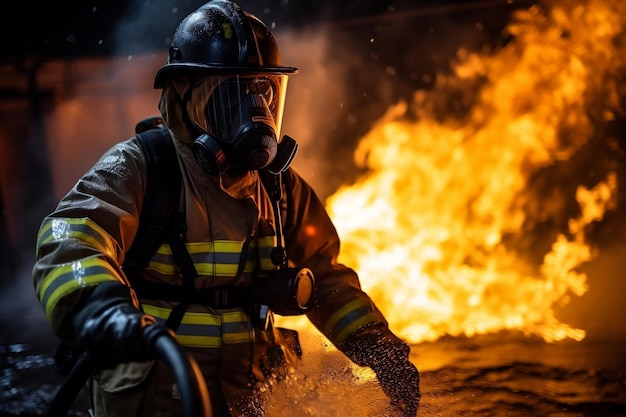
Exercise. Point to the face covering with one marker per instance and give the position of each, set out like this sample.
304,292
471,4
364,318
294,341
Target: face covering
239,116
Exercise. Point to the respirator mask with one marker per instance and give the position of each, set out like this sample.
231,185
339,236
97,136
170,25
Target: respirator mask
240,117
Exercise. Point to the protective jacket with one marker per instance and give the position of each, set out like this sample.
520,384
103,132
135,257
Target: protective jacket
229,236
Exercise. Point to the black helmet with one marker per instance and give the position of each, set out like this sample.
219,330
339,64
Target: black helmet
221,38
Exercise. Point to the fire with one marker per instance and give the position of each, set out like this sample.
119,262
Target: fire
434,228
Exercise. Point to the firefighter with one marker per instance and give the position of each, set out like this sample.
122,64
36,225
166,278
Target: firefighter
223,92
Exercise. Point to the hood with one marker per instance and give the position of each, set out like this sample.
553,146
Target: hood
237,184
171,104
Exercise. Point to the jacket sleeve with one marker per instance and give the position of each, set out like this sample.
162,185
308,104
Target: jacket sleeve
81,244
341,307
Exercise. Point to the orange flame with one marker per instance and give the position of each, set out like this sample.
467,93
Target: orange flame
426,227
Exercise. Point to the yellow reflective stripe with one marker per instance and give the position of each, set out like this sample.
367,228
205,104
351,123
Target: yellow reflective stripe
66,278
267,264
265,246
235,317
165,250
81,229
227,246
265,241
241,337
237,327
351,328
220,270
163,261
332,320
199,341
220,258
350,318
207,330
201,318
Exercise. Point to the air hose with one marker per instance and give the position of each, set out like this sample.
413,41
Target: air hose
163,346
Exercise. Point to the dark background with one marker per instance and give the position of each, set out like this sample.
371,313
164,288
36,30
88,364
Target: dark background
71,29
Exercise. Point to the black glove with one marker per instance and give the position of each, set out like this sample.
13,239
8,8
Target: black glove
111,329
377,347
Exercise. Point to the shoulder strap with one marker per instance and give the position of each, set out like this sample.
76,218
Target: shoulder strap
160,201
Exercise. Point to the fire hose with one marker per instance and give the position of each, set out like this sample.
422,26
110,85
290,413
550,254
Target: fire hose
184,369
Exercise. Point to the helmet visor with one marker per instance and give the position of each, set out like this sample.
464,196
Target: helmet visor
216,99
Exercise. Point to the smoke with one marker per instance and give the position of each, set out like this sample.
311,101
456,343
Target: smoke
319,113
353,70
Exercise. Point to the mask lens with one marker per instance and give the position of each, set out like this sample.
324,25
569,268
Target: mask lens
214,100
198,105
265,87
227,95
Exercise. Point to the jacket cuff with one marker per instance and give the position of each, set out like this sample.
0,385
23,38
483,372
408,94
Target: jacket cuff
374,344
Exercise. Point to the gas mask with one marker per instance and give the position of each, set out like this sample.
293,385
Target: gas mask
240,117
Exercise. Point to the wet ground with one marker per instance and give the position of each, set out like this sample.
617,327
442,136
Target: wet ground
495,375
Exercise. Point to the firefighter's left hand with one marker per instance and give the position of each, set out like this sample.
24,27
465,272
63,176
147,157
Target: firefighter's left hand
400,380
377,347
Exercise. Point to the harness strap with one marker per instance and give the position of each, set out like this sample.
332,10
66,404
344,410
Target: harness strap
220,297
160,219
176,316
176,240
161,199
